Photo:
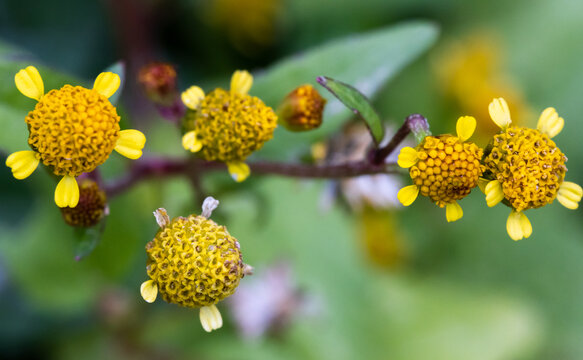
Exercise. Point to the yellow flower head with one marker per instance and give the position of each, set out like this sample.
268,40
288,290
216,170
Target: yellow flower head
525,168
193,262
444,168
92,206
72,131
227,125
302,109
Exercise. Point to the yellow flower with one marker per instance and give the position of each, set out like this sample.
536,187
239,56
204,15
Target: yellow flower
227,125
193,262
444,168
72,131
525,168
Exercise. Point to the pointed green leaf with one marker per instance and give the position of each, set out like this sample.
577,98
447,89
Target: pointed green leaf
358,103
88,238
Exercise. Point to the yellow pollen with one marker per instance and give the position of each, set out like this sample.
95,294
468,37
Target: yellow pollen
231,126
194,262
73,129
528,165
445,172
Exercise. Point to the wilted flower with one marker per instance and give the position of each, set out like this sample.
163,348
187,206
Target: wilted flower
377,191
444,168
193,262
158,80
72,131
92,206
525,169
227,126
302,109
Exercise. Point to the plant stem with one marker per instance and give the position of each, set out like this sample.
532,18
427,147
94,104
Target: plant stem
168,167
415,123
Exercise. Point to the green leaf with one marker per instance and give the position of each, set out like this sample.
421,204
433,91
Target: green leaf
356,102
120,69
367,61
88,238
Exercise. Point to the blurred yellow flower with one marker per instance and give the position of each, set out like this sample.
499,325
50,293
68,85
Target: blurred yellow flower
471,73
249,24
72,131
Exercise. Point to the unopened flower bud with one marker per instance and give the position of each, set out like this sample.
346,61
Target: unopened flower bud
301,109
92,206
159,82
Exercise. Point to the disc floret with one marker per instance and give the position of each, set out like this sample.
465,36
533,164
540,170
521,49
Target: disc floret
193,262
227,125
525,169
444,168
72,130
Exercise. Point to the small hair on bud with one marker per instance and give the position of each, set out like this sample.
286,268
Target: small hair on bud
208,206
161,217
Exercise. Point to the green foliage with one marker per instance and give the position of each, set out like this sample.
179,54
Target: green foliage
367,62
356,102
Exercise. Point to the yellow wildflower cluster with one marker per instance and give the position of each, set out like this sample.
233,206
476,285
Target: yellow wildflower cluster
228,126
193,262
72,131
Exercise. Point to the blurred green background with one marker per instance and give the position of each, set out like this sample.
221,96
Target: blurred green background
337,284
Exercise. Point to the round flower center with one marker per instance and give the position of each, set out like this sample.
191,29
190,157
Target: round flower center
529,166
231,126
194,262
447,169
73,129
91,207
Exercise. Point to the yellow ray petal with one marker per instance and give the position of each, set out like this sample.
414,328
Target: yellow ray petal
107,83
518,226
29,82
210,318
550,123
149,291
407,157
500,113
465,127
67,192
239,170
130,143
192,96
241,82
408,194
22,163
569,195
494,193
453,211
190,142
